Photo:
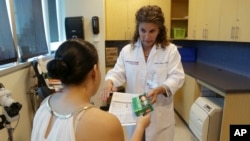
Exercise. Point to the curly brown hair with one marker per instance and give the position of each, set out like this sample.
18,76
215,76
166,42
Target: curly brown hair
151,14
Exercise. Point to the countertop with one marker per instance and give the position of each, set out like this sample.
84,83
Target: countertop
223,80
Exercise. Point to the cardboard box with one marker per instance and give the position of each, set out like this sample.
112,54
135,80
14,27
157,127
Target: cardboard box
111,56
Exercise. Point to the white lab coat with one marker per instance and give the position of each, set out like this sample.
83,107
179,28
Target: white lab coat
162,67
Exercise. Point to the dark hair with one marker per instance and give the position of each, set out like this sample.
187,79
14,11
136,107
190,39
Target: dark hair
151,14
73,60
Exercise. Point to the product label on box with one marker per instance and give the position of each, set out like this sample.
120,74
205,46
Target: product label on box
141,105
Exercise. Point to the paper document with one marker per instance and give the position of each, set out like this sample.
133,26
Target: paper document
121,107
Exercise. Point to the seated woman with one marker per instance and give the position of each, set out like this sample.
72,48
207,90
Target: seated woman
69,115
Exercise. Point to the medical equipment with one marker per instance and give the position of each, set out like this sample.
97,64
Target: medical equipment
10,110
205,118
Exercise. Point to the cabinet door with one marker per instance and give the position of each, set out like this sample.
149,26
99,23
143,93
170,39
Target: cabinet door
165,7
191,20
200,19
185,97
235,21
116,19
243,21
228,14
196,19
133,7
193,10
212,19
120,16
203,19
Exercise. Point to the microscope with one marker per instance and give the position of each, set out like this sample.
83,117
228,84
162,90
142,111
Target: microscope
10,110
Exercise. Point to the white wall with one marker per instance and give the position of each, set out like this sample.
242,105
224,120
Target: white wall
88,9
18,82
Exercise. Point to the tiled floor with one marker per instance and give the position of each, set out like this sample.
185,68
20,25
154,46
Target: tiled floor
182,132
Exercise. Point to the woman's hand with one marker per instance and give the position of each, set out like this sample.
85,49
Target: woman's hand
154,93
143,121
107,89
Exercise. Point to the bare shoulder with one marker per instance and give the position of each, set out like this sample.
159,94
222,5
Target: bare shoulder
96,124
105,118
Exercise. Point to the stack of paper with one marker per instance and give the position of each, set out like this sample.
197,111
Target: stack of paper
121,106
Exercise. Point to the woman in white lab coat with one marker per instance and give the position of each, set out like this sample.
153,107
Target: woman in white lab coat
152,65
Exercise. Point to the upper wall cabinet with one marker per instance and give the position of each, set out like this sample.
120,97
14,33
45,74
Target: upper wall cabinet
133,6
192,23
116,19
120,16
165,7
216,20
203,23
235,20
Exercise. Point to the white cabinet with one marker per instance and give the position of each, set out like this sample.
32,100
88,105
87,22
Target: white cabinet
203,19
235,20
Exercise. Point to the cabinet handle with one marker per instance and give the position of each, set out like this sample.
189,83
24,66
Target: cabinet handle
206,33
203,33
194,32
232,32
237,32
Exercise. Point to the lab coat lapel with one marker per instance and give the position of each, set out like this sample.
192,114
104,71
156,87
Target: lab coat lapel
140,53
152,52
139,49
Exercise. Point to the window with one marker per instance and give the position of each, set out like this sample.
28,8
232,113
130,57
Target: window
53,24
54,16
8,52
30,28
35,32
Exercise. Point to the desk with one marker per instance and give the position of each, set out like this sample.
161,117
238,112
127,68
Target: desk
233,87
54,84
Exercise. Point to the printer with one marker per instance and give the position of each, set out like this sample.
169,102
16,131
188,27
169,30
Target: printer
205,118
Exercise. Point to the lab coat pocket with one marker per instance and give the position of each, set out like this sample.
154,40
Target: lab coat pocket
163,101
165,112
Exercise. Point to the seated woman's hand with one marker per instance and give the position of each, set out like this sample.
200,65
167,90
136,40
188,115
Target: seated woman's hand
144,121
